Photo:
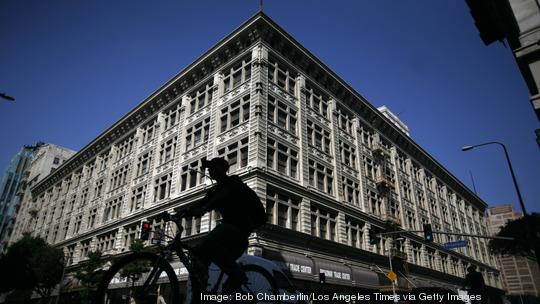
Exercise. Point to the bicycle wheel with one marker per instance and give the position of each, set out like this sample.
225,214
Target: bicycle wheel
260,287
138,278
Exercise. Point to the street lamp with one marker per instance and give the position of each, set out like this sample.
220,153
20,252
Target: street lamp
467,148
530,227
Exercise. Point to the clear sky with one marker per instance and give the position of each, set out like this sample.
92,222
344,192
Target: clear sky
76,67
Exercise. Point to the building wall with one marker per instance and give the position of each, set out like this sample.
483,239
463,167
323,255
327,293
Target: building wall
322,168
518,273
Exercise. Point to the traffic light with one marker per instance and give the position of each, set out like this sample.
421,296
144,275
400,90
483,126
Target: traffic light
428,233
145,230
322,278
374,239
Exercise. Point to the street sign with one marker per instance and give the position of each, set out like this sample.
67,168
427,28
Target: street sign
392,276
456,244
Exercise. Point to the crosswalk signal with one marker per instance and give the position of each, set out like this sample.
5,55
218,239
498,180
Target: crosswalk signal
373,237
322,278
428,233
145,230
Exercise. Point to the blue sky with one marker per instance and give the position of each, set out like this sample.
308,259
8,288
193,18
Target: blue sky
76,67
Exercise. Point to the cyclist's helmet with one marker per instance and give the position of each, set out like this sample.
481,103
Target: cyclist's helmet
217,162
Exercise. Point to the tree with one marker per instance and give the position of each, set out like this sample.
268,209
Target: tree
526,238
32,265
133,271
91,272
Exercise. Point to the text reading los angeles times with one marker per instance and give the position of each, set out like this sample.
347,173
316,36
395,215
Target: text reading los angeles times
314,297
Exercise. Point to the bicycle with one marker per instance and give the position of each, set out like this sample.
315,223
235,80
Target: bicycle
140,277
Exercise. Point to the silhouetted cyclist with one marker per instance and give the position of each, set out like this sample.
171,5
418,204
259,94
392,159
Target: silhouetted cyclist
476,284
241,212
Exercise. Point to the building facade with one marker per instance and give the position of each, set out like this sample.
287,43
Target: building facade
329,167
519,274
29,166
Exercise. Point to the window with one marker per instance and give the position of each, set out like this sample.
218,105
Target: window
162,188
323,223
236,154
197,134
369,167
416,253
171,116
119,177
411,219
124,147
318,137
56,161
77,225
105,242
91,218
367,135
85,248
320,177
235,113
283,210
167,150
103,161
406,190
236,75
98,189
191,175
354,231
144,163
402,162
84,197
137,198
351,191
90,166
281,114
192,226
148,131
282,158
201,98
112,209
347,154
345,120
316,101
70,252
374,201
281,77
131,234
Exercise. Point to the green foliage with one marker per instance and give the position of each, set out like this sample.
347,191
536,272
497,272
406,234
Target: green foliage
524,243
133,271
33,265
91,270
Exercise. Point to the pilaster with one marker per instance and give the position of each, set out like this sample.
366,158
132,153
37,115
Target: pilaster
302,128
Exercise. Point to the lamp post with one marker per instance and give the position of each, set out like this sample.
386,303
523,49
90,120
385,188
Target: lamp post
530,234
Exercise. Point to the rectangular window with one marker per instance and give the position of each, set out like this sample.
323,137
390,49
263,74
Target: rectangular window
137,198
323,223
197,134
125,147
167,150
316,101
234,114
144,163
282,158
77,224
192,226
369,167
98,189
237,74
191,175
85,248
318,136
282,77
112,209
367,135
374,201
131,234
354,230
105,242
201,98
148,131
345,120
283,210
171,116
236,154
282,114
119,177
321,177
91,220
348,154
103,161
351,191
162,187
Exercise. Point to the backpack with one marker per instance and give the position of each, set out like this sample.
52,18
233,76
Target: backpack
256,210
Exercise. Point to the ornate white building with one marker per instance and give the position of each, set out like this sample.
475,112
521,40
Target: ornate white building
328,165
